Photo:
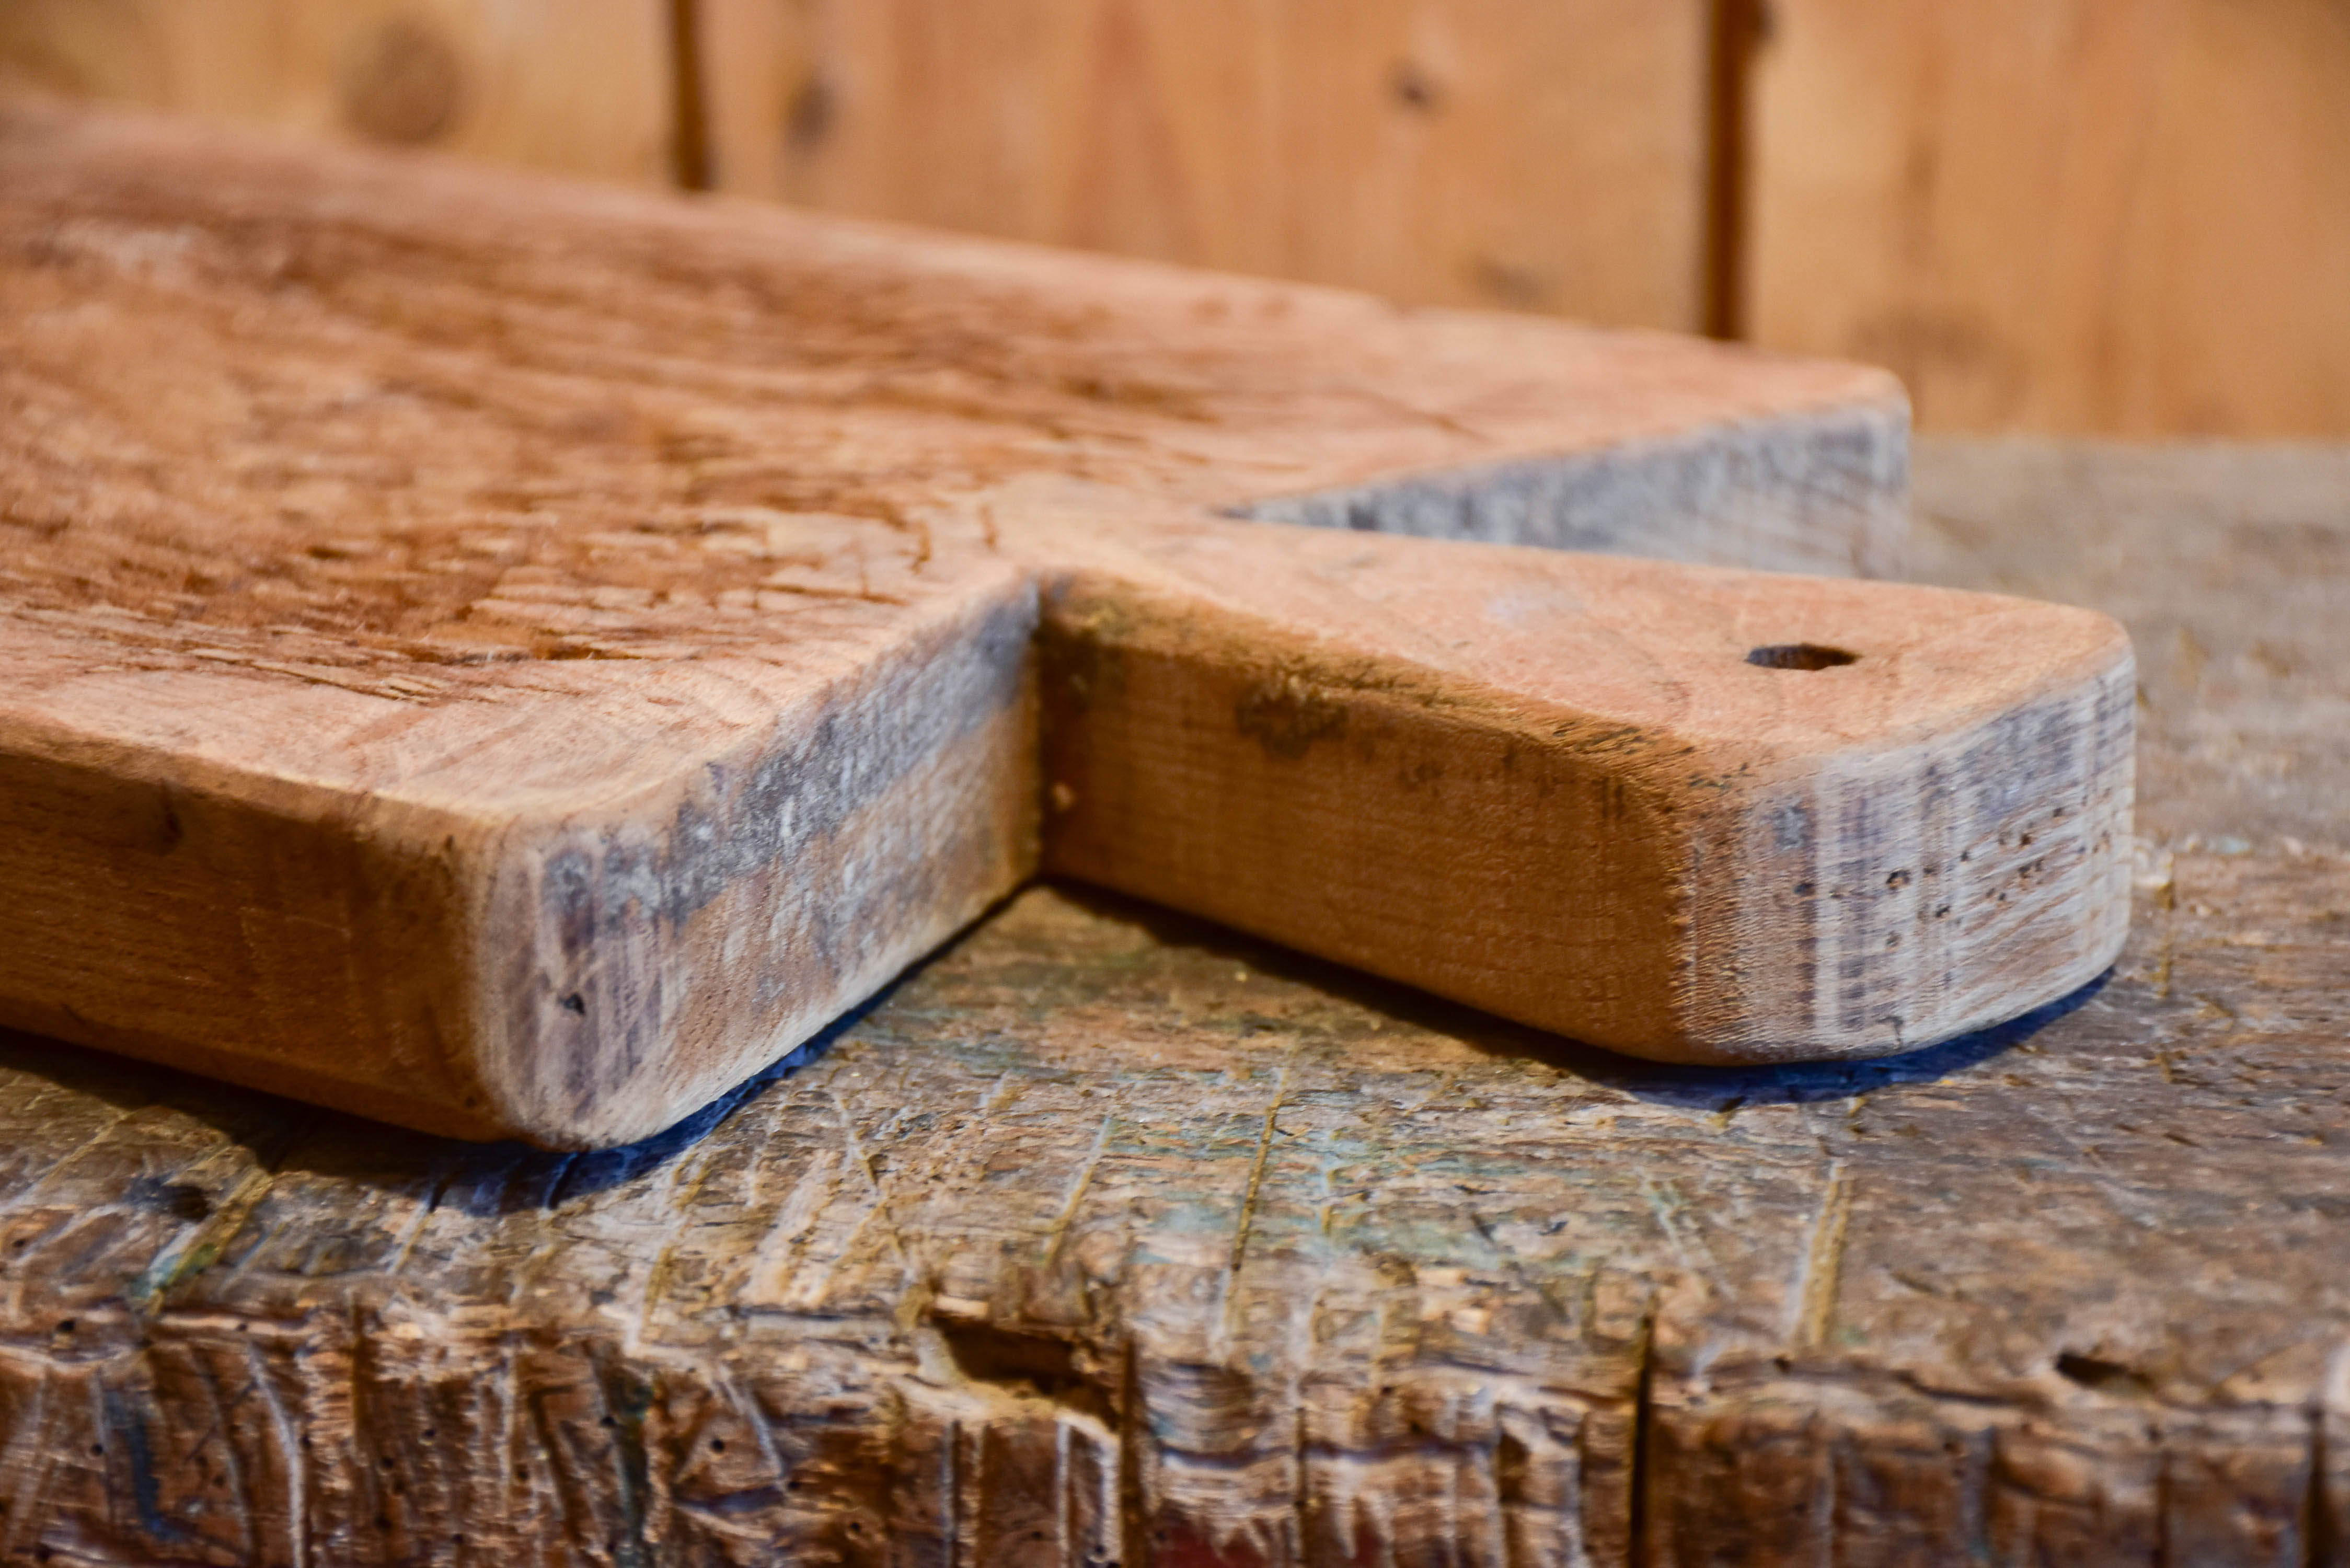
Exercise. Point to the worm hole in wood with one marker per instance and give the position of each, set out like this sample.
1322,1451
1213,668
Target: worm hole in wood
2105,1376
1800,656
987,1353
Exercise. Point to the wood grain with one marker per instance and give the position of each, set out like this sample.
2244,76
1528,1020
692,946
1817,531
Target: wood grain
2120,216
562,647
1110,1235
1562,789
1493,152
578,86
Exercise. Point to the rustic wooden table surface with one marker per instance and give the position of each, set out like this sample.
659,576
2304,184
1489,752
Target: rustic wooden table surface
1110,1237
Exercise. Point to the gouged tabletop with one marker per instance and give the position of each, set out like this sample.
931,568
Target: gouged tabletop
1107,1237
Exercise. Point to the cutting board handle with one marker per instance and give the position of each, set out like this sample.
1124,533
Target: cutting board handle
1697,815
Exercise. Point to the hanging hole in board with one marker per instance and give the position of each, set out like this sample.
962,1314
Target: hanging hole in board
1800,656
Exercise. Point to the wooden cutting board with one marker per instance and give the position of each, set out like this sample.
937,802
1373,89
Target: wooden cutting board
514,659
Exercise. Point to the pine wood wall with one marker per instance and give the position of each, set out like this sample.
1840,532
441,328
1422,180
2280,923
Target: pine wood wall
1532,154
2119,216
2122,217
580,86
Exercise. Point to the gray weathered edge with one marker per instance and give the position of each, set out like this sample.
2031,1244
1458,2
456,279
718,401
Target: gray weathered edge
1825,493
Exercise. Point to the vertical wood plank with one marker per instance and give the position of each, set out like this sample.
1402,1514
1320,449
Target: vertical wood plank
2120,216
1533,154
579,86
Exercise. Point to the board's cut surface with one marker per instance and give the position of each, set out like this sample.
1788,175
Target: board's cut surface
514,659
